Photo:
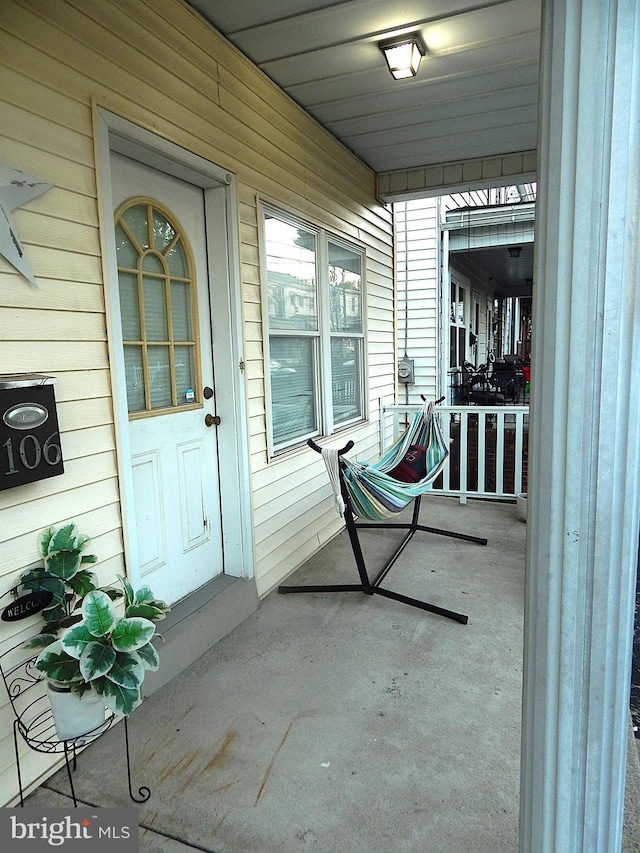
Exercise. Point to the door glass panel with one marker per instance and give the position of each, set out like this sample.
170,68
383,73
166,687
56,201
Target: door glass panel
136,220
159,377
160,337
184,373
177,261
129,309
453,347
152,263
181,310
163,232
460,314
126,252
462,348
155,310
135,378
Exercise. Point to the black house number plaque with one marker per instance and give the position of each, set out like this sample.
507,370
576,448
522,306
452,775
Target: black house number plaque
29,437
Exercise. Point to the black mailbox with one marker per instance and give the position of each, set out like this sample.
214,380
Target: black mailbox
29,438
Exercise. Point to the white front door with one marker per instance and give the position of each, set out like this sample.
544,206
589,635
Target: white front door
167,366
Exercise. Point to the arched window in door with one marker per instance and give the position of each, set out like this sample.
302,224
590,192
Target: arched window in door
158,309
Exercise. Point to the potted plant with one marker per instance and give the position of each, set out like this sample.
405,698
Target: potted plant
101,660
521,506
64,575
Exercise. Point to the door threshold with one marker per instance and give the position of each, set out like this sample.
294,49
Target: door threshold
197,599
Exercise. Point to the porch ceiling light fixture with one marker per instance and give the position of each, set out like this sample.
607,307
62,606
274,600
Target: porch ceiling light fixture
514,251
403,54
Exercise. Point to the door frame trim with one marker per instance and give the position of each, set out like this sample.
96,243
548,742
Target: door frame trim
115,133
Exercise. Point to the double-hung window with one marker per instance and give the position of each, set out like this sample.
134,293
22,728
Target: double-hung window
314,321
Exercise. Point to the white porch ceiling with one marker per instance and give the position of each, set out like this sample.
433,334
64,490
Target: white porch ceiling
475,96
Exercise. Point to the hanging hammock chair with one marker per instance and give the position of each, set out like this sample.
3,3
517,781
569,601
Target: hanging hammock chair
405,471
378,491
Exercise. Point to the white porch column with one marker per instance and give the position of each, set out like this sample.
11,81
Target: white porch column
584,463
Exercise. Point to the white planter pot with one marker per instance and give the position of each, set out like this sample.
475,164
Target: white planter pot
74,715
521,506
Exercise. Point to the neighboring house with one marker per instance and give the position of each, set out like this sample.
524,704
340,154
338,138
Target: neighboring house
206,250
450,308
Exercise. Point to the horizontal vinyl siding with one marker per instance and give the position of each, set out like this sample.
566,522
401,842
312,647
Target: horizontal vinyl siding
158,65
416,230
294,513
57,327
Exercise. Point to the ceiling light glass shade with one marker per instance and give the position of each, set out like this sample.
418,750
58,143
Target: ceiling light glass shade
403,55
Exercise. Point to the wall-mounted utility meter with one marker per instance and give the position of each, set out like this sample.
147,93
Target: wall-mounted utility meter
406,371
29,438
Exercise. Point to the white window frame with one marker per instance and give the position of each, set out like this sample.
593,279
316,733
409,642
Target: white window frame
325,424
455,322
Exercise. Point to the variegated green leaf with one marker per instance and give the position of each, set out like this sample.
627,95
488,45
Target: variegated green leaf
40,641
114,594
142,595
98,613
57,665
128,590
63,564
75,639
81,542
120,699
127,670
149,657
83,582
130,634
96,660
40,579
54,614
62,539
45,539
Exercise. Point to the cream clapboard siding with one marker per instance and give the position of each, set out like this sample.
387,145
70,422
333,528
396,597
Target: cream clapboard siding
294,512
158,65
417,259
423,278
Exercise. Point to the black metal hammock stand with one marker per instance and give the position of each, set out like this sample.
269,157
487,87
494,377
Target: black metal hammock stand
381,489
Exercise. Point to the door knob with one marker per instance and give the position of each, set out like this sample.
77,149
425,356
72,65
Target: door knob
212,420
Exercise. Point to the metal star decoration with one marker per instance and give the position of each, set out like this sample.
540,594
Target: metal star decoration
16,189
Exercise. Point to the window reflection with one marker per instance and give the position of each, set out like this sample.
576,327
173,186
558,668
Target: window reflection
345,289
291,276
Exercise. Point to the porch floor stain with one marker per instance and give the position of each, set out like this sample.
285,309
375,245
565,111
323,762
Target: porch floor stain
344,722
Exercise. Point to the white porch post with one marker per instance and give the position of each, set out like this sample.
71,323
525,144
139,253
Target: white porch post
584,464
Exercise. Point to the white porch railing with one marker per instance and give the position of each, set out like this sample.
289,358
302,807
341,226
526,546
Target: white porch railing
488,448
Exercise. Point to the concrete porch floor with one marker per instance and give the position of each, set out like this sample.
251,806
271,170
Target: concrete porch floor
344,722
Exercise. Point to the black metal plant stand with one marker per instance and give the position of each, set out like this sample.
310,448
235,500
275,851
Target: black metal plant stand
373,586
33,720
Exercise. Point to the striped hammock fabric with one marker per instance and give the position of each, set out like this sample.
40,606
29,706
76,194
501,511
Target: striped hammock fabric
374,488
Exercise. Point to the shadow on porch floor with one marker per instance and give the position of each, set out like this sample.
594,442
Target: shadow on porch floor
339,721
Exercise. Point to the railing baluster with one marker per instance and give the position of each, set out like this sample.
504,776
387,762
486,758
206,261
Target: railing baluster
518,444
482,456
446,434
517,414
464,444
